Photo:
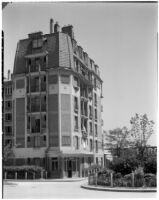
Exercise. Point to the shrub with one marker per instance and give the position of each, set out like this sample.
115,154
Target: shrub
150,165
139,177
150,180
21,171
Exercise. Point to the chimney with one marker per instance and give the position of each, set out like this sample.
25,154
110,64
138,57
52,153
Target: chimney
56,27
68,30
51,25
8,74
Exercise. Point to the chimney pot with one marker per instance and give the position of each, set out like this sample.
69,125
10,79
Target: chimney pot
51,25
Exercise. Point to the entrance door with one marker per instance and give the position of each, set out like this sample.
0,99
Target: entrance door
69,168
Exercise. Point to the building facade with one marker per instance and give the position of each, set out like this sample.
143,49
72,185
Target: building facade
56,102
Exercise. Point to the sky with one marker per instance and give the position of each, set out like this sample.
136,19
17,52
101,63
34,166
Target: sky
120,37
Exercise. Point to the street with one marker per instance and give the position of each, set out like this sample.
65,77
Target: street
15,190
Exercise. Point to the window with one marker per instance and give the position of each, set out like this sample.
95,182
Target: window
95,99
44,138
36,141
8,116
53,79
65,79
43,121
35,104
28,122
76,104
37,43
76,123
95,114
8,105
8,130
19,84
90,128
66,141
43,103
28,139
96,132
96,144
75,83
43,83
35,124
35,84
91,145
54,164
76,143
8,90
90,112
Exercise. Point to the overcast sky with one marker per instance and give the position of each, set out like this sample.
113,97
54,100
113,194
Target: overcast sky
120,37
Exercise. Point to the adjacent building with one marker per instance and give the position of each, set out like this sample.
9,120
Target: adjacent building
56,104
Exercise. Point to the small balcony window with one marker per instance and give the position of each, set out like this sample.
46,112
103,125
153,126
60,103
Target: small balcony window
76,123
65,79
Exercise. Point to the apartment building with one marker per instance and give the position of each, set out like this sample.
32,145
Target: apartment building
7,112
56,101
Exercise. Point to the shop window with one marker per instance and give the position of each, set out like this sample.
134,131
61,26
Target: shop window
54,164
65,79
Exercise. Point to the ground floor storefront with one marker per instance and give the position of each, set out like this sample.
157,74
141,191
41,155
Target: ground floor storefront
61,166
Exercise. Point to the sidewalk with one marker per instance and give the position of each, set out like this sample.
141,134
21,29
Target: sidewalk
118,189
47,180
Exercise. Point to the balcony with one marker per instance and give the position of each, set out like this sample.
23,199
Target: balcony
84,134
76,109
35,68
35,108
43,87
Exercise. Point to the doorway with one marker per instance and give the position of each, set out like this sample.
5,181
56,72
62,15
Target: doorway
69,168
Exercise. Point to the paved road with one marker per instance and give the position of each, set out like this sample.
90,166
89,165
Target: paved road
61,190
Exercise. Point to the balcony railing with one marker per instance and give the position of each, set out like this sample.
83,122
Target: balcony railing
35,108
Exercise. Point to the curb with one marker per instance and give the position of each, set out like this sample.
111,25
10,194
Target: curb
45,180
99,188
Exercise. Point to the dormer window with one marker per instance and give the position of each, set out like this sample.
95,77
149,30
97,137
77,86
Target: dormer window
37,43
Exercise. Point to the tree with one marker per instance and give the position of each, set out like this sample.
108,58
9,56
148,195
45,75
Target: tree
7,152
116,140
141,130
